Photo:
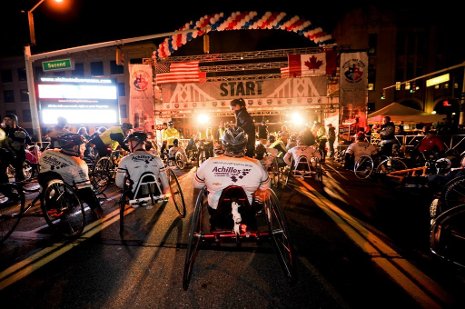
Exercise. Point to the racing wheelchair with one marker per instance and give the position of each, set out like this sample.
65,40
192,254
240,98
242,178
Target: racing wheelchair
305,168
148,192
232,206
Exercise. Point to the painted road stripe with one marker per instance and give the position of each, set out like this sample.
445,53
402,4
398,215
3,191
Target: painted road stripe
417,284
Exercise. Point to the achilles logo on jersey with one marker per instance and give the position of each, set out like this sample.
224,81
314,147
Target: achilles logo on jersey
234,173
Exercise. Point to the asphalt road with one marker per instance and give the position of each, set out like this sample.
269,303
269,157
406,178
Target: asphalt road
359,244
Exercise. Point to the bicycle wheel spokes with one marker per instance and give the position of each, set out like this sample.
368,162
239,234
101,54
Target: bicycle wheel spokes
62,209
363,167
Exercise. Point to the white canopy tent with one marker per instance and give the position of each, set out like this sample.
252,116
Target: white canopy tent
399,112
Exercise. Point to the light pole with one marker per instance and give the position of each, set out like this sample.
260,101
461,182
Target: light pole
30,73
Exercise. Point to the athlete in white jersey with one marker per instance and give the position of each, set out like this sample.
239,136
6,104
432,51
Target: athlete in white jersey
231,168
304,148
67,164
138,162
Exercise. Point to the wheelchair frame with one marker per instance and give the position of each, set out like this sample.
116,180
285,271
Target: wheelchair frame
151,199
311,171
276,230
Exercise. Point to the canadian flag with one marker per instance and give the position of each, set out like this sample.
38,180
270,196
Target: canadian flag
307,64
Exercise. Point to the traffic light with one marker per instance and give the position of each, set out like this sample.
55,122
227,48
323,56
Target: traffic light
119,57
206,44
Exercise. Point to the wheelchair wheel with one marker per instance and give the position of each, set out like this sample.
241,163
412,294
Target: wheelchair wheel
363,168
279,233
62,209
318,172
273,171
9,217
101,175
453,193
176,193
390,165
287,173
180,161
194,238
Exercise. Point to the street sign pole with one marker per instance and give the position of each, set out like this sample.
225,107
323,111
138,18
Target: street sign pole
32,94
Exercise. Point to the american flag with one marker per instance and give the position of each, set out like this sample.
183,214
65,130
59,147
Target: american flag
181,72
284,72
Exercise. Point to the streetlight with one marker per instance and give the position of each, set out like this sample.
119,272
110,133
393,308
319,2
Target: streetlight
30,73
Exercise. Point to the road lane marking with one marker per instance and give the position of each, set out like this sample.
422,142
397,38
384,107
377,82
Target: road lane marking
417,284
34,262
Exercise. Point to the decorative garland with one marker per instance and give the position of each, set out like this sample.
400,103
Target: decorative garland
241,21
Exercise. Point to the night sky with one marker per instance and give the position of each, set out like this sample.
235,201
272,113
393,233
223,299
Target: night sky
93,21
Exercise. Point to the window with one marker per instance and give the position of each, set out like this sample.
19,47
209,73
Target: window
122,111
38,73
8,96
121,89
24,95
27,115
116,69
96,68
372,43
78,70
371,74
7,76
22,74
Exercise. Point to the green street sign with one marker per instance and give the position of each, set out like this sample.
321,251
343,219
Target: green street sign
57,65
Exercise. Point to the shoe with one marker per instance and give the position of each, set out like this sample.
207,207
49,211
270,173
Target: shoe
98,211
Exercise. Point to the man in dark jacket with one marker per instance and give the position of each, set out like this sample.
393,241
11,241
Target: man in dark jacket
387,136
245,121
13,151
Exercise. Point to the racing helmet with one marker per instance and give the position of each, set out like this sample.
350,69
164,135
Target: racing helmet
235,140
360,136
443,165
68,141
137,136
126,126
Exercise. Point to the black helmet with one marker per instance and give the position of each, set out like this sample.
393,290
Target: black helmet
11,116
68,141
235,140
138,136
239,102
126,126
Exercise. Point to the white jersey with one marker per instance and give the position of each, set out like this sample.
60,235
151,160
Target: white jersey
73,170
222,171
137,163
296,152
358,149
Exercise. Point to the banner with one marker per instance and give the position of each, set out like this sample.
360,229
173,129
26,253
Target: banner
354,71
353,87
141,100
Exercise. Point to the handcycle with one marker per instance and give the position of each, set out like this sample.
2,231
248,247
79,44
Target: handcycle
232,205
270,163
104,171
305,168
60,206
148,192
366,165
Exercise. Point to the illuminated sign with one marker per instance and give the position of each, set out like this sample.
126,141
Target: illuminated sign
437,80
80,101
57,65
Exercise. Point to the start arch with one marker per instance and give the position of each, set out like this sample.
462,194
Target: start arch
249,20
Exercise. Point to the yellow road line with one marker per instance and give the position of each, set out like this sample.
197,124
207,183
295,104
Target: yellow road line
411,279
46,255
